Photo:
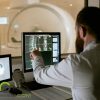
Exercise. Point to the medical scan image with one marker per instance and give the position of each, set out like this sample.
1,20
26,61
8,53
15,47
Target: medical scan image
4,69
48,45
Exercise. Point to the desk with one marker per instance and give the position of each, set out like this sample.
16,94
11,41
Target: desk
51,93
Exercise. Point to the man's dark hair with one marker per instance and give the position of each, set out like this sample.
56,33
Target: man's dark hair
89,19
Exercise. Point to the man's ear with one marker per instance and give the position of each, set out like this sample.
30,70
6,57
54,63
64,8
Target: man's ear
82,31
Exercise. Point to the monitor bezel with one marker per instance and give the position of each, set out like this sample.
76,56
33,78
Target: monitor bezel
37,33
10,67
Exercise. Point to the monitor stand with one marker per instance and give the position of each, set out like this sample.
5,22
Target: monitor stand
33,85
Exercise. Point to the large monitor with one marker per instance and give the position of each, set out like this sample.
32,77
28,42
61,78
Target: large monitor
5,68
48,43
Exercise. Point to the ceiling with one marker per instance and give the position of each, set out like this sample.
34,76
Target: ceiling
69,5
5,3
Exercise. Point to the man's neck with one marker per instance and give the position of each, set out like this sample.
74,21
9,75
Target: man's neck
88,39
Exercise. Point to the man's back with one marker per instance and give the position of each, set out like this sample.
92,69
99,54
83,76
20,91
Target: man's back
93,55
87,74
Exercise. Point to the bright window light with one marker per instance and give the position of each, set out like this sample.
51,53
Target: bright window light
3,20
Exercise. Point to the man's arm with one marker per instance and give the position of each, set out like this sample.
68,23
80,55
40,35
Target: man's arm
59,74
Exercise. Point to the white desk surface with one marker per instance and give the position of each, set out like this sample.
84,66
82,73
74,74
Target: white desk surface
51,93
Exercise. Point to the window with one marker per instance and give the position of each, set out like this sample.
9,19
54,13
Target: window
27,20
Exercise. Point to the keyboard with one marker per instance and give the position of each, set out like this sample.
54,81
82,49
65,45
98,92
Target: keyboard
33,85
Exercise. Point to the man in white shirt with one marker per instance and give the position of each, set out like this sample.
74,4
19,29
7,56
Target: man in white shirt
80,71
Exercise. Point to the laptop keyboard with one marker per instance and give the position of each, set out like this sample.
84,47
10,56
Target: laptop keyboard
33,85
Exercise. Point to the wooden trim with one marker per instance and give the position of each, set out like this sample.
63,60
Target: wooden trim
99,3
86,3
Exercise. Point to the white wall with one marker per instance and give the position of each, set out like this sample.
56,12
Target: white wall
4,37
47,17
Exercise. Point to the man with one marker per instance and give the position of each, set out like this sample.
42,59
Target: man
80,71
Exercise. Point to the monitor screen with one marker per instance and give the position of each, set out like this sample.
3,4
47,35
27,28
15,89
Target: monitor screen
5,68
48,43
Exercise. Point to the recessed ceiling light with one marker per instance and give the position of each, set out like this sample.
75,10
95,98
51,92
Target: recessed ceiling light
8,7
71,4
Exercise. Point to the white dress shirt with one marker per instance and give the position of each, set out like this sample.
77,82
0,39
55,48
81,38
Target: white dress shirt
75,72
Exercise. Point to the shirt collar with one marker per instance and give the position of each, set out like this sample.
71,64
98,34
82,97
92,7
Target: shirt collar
90,46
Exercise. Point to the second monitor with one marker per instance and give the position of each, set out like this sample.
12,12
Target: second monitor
48,43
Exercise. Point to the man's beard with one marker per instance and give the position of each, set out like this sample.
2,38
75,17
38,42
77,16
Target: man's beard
79,44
